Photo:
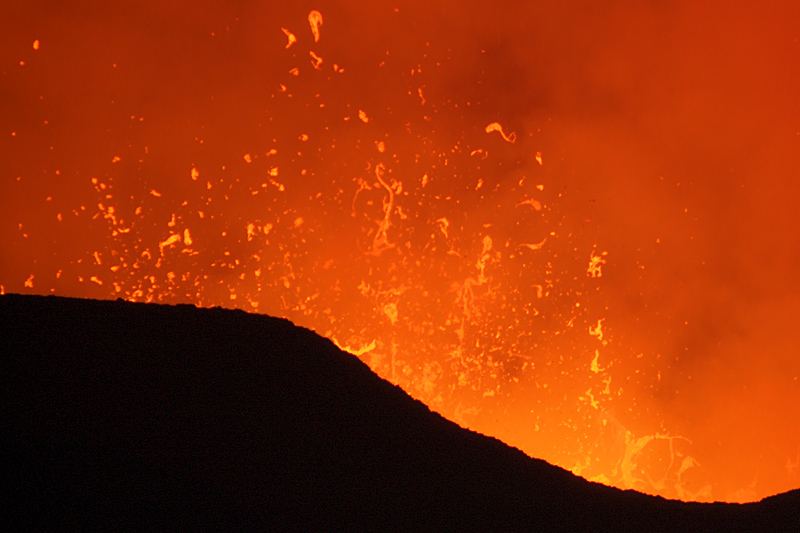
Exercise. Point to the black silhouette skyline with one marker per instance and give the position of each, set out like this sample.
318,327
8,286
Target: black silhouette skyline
123,415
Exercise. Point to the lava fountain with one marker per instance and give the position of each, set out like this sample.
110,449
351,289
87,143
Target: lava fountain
572,227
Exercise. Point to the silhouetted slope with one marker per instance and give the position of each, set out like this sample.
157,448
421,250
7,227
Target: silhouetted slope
136,416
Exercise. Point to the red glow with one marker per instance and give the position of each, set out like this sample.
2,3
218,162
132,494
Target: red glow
568,226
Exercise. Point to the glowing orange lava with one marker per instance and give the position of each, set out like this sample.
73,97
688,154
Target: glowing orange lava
572,227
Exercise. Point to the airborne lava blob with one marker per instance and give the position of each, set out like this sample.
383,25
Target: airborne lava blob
573,229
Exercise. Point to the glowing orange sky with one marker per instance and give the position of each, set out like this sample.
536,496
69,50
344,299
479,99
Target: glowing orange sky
354,183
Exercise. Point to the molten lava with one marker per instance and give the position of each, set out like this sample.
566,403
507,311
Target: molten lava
568,226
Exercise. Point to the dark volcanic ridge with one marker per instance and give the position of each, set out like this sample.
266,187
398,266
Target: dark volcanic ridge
139,416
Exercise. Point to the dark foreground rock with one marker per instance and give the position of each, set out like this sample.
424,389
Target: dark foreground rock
136,416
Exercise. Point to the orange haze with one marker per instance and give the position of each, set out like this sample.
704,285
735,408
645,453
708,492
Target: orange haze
570,225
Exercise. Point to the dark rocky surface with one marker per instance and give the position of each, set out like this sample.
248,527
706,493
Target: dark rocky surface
123,416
